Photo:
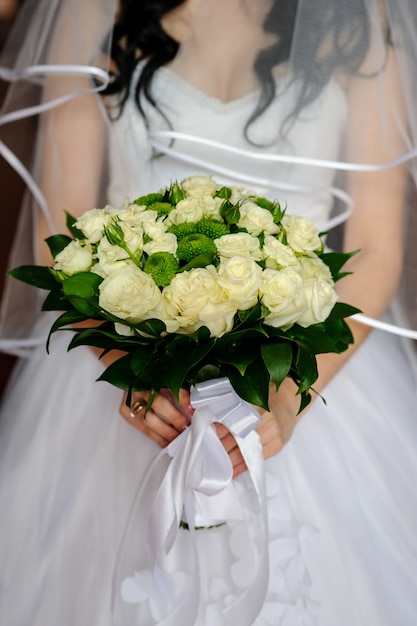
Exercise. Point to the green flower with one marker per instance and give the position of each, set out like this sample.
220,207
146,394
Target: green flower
211,228
162,266
149,199
194,245
162,208
182,230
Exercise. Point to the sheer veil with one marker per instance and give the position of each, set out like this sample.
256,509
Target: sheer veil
60,49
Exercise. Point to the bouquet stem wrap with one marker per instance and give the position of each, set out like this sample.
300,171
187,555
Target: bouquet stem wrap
191,477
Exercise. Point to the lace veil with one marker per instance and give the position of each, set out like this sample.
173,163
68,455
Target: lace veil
60,51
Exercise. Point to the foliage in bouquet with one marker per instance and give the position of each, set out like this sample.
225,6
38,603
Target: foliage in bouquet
198,281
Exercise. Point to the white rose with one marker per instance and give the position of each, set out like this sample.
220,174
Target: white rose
314,267
277,255
130,294
283,294
147,217
238,194
241,244
133,236
108,253
165,243
136,215
105,268
74,258
321,298
109,257
92,223
188,210
195,299
256,220
302,235
122,329
211,207
196,186
154,230
241,278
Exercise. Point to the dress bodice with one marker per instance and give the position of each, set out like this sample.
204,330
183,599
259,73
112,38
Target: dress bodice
137,168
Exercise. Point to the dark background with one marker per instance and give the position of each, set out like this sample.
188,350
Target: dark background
11,188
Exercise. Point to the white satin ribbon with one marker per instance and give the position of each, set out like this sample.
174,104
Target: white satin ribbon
284,158
197,482
32,74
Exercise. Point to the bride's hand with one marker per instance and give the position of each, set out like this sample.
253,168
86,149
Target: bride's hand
275,428
164,421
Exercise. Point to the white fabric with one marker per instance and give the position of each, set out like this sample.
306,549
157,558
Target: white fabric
342,507
55,45
196,486
192,112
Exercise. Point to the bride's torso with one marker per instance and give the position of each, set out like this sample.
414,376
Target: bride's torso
141,161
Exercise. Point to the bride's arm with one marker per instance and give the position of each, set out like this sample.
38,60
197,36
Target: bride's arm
375,228
72,159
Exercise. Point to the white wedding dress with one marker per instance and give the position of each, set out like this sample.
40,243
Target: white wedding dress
342,502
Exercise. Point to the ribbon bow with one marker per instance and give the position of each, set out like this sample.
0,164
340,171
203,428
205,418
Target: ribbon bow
192,479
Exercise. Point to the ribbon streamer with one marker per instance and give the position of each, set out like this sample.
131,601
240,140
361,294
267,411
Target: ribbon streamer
191,477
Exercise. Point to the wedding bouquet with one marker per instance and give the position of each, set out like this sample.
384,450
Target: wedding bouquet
198,281
220,291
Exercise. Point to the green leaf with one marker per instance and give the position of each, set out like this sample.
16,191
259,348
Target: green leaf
57,243
35,275
82,291
66,319
305,401
335,261
340,333
306,367
55,301
240,357
75,232
230,212
342,310
278,360
207,372
239,339
317,337
100,339
175,193
152,327
224,192
201,260
186,359
250,316
254,386
119,373
140,359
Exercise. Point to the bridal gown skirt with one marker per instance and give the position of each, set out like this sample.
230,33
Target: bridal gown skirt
341,500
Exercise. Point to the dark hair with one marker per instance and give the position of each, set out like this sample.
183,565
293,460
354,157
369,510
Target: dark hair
342,24
138,35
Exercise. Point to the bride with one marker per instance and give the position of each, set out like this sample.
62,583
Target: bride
303,103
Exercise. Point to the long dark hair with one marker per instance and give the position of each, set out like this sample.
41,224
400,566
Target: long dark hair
344,25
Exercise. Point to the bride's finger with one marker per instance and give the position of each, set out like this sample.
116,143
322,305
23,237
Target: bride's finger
158,428
226,438
163,422
135,417
239,469
170,412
